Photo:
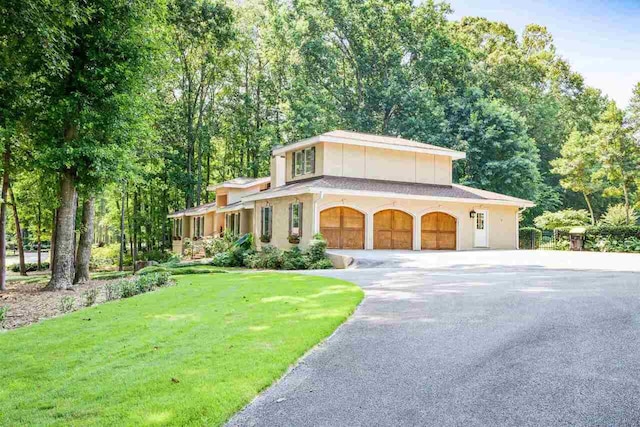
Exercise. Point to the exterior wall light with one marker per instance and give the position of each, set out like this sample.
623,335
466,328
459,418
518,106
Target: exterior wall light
472,214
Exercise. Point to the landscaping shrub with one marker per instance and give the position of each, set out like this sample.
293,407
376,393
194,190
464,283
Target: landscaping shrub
605,238
530,238
107,256
3,315
234,257
90,297
67,303
321,264
112,291
214,246
317,248
29,266
294,259
156,255
564,218
270,257
616,216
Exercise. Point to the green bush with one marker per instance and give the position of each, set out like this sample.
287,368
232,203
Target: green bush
321,264
156,255
603,238
112,291
317,248
90,297
29,266
295,259
616,216
107,256
530,238
67,304
272,258
565,218
269,258
3,315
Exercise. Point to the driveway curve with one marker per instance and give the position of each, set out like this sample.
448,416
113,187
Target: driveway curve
522,341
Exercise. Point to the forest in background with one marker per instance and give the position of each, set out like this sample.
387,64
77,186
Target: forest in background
115,112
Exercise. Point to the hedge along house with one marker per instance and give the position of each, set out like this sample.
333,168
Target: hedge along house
366,191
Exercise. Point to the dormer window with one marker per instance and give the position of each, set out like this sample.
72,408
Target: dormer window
304,162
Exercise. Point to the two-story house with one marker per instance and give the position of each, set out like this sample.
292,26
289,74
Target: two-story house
361,192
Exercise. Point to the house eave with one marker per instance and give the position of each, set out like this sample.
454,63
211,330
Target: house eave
356,193
455,155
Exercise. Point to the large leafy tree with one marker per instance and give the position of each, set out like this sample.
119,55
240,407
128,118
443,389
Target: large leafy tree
500,155
84,125
619,155
578,165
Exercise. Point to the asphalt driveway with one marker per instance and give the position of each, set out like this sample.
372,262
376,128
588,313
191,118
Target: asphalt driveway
473,340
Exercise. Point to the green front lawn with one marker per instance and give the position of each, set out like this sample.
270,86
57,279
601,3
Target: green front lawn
190,354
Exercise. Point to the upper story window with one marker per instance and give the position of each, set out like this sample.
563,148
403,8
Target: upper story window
304,162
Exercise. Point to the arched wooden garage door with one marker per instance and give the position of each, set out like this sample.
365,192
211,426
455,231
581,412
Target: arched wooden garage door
438,231
392,229
343,228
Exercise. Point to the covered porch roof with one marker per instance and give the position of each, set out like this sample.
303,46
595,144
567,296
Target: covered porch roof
194,211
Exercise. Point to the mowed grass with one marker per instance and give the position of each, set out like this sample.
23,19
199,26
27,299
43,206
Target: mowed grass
192,354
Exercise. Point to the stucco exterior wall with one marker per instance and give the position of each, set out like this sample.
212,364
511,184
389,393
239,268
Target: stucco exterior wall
319,165
502,220
377,163
280,225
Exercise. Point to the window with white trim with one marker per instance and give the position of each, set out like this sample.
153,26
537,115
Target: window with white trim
295,219
198,226
177,228
266,221
232,224
303,162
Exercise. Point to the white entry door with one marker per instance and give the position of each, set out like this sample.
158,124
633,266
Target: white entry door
480,230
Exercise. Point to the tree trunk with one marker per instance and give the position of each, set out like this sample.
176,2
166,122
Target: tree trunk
62,273
3,219
586,199
86,240
16,218
52,246
123,241
39,235
134,247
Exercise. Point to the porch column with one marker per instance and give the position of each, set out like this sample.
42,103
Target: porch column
368,231
417,233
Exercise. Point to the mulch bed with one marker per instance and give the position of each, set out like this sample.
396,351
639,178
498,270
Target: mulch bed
28,303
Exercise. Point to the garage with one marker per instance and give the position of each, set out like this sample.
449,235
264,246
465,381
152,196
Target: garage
343,228
393,229
438,231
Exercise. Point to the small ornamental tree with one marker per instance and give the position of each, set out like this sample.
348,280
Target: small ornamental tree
565,218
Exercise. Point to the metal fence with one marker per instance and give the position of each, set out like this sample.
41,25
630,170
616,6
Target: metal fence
534,240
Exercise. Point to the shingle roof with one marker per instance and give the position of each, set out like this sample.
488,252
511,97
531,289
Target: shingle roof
196,210
240,182
455,191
